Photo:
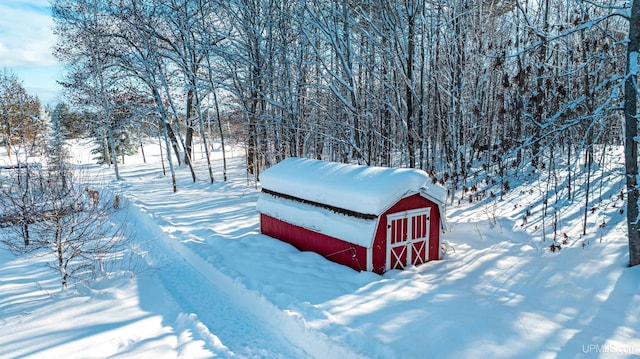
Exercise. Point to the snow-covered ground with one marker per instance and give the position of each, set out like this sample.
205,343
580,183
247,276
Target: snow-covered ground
205,283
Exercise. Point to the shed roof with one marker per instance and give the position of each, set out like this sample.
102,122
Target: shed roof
361,189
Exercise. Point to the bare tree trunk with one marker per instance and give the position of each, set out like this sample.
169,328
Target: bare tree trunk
631,132
164,170
144,158
164,126
224,155
62,268
188,148
252,165
174,140
588,164
204,136
411,125
112,145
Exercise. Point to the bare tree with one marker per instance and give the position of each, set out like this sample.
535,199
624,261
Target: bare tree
88,50
22,126
48,212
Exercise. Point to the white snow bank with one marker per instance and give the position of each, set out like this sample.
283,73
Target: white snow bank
295,338
363,189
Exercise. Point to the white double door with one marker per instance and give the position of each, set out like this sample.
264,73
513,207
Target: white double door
407,238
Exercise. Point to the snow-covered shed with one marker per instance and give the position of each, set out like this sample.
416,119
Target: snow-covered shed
368,218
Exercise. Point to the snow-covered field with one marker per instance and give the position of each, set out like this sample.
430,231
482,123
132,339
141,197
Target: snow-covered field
205,283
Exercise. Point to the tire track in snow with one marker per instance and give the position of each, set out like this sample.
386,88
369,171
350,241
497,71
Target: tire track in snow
189,280
278,333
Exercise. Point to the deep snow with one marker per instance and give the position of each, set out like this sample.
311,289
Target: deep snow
205,283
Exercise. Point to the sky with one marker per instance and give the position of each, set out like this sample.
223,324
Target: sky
26,42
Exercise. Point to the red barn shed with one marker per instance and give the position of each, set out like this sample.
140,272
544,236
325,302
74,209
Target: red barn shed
368,218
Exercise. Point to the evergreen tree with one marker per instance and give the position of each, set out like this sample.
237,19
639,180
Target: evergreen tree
56,153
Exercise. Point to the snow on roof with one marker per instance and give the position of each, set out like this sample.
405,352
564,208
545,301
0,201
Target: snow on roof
362,189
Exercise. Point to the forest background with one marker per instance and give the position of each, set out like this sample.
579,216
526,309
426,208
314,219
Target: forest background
457,88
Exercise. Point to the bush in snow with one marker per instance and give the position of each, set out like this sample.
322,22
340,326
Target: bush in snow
49,212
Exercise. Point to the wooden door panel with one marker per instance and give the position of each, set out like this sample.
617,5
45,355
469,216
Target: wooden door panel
407,238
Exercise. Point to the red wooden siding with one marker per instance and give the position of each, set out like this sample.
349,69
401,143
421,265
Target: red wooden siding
334,249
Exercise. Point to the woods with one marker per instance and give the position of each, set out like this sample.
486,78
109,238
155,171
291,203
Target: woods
455,88
319,179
